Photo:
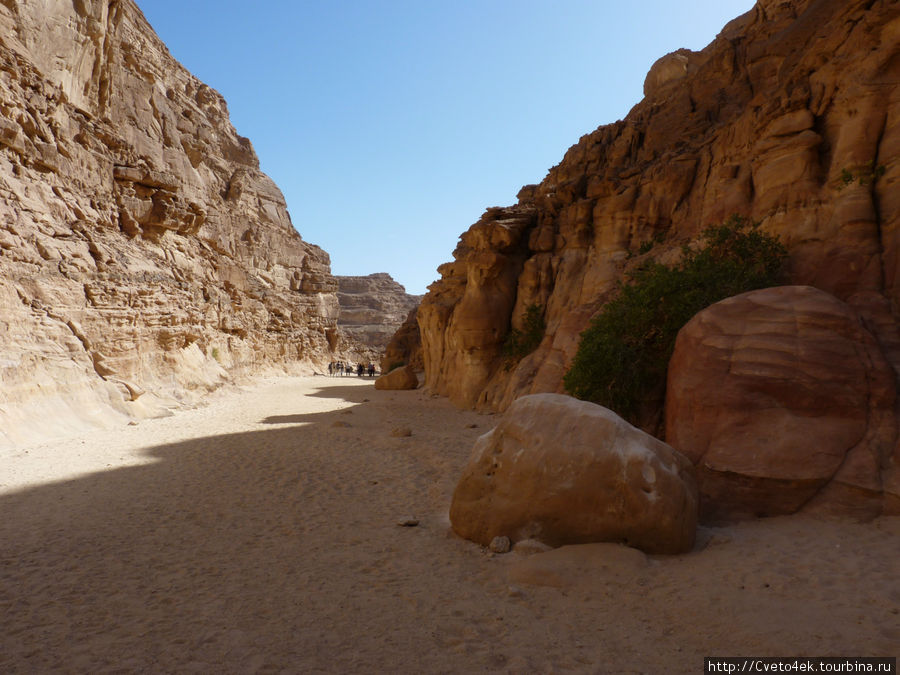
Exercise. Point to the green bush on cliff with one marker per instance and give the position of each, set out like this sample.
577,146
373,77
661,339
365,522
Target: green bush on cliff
624,354
866,174
520,343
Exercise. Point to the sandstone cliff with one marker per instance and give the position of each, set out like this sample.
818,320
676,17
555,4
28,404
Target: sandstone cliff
372,308
405,347
141,248
791,117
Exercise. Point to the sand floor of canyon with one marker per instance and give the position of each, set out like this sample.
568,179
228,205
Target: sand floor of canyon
258,534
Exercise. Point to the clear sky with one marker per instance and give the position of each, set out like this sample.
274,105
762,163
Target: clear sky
391,125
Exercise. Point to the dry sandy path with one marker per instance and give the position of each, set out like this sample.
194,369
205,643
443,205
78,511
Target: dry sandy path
258,535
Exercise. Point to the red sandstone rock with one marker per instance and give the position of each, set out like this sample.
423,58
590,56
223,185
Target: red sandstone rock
784,402
565,471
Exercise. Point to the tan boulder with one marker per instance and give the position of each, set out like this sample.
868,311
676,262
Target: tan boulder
403,377
565,471
784,402
667,70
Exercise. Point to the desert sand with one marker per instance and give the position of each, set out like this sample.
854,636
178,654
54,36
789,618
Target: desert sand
258,534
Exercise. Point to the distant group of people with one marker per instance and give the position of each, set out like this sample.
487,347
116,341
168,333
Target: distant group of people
339,368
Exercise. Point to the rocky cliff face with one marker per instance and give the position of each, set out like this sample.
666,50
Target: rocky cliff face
143,254
791,117
405,347
372,308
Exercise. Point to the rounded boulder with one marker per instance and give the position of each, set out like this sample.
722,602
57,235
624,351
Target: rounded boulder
784,402
403,377
564,471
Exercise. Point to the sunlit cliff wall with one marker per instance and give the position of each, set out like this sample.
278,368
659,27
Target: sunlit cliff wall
144,257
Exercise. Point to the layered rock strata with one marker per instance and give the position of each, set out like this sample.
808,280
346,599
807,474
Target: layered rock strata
143,254
373,308
784,402
790,117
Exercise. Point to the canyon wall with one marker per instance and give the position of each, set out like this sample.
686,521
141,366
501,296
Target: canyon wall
144,257
372,308
790,117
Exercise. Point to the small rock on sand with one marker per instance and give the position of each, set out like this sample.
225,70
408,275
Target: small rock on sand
500,545
407,521
401,432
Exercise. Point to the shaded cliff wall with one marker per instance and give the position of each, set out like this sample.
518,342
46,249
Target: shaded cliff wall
144,257
791,117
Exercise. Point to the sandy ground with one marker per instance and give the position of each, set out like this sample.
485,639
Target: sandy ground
259,534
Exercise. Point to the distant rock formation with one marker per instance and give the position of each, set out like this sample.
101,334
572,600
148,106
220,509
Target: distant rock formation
790,117
372,308
144,257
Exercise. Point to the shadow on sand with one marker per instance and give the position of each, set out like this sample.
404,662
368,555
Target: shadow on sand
258,551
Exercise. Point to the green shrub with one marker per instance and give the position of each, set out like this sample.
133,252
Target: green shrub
867,174
646,247
520,343
624,354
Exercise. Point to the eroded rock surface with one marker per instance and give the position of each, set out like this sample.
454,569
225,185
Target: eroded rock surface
790,117
784,402
144,256
565,471
405,346
373,307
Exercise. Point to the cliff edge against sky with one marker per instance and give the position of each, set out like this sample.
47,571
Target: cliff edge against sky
144,257
790,117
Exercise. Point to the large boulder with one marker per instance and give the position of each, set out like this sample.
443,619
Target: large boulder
565,471
668,70
403,377
784,402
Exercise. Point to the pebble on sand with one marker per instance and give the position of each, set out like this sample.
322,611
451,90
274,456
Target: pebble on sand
500,545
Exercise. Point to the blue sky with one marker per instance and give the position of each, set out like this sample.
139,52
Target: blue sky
391,125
